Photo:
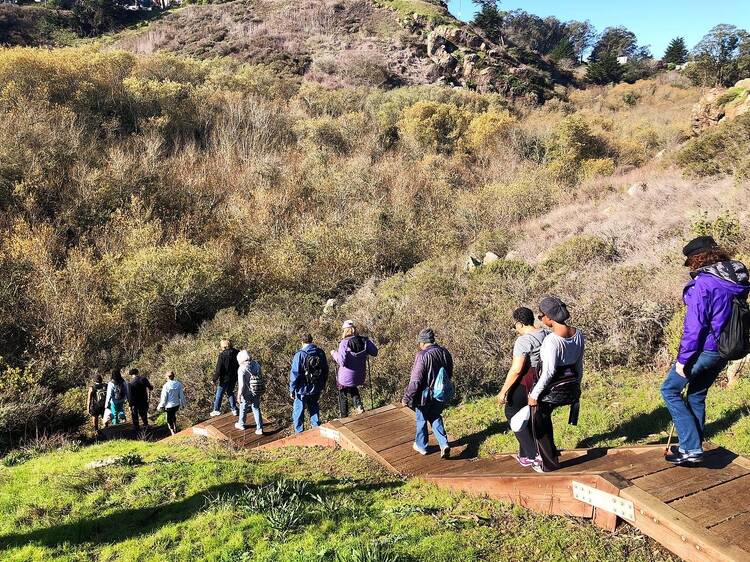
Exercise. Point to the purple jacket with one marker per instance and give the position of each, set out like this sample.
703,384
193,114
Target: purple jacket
708,297
352,366
426,366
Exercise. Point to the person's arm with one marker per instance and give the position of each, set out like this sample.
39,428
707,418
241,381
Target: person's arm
338,355
294,373
107,400
415,380
240,382
162,398
88,397
372,349
515,371
695,328
217,371
548,357
325,371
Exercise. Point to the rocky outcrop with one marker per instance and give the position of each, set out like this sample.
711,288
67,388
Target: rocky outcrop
720,104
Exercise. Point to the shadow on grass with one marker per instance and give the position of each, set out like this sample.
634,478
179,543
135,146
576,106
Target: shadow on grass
472,443
633,430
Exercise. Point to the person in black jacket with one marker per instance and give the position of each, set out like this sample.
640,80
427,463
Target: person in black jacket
225,377
139,387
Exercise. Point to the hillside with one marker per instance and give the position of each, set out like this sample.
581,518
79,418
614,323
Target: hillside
350,43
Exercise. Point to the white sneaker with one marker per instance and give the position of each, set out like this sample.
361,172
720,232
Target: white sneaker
419,449
235,412
359,410
259,431
215,413
537,467
240,426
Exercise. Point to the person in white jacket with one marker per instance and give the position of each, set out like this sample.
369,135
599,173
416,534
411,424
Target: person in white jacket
172,399
250,388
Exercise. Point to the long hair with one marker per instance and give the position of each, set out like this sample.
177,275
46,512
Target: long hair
350,331
117,376
709,257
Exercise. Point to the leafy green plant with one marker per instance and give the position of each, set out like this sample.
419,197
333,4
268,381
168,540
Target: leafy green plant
130,459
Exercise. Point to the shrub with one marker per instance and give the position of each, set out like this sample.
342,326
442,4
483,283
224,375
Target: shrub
725,228
719,150
596,167
487,129
571,143
576,252
434,127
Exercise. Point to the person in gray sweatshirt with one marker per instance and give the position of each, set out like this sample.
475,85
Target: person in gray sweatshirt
172,399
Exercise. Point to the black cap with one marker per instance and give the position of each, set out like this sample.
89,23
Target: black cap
554,309
698,245
426,336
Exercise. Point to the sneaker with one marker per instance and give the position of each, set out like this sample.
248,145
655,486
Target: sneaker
537,467
235,412
359,410
240,426
419,449
259,431
679,458
215,413
525,462
445,453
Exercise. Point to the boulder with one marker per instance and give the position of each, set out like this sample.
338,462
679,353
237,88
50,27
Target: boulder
637,188
471,263
716,106
329,306
490,257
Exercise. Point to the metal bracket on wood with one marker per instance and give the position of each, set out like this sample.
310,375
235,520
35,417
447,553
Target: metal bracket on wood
329,433
603,500
200,431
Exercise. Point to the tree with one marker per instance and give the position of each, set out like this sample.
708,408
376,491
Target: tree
605,69
617,42
581,35
718,58
489,19
564,50
676,52
94,16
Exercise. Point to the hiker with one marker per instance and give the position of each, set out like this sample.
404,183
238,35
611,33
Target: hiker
351,357
432,361
97,400
225,377
138,389
559,382
117,395
307,379
251,386
520,380
714,296
172,399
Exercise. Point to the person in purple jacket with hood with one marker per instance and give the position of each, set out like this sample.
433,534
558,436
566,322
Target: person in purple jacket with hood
351,357
716,281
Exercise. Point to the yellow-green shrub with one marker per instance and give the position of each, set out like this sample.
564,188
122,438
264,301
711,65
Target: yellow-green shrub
434,127
486,129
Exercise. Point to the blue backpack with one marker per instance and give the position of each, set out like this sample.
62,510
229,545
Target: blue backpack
442,388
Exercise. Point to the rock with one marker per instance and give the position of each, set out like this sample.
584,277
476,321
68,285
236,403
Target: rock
490,257
329,306
715,106
471,263
512,255
637,187
102,462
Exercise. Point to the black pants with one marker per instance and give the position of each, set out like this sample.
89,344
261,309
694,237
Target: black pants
517,399
172,417
139,410
541,417
344,393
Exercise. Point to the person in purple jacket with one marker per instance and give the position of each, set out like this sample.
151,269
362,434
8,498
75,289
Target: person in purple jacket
351,357
716,281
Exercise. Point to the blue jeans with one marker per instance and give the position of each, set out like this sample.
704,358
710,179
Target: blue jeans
431,413
220,390
255,404
118,411
298,415
690,416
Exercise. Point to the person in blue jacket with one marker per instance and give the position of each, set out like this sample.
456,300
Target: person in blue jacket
307,379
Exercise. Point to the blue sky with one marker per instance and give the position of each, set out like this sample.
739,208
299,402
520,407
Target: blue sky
654,22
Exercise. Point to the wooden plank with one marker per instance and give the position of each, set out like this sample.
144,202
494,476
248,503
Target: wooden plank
375,421
602,518
718,503
386,442
404,450
370,413
684,481
392,430
351,442
735,530
679,533
549,494
606,463
309,438
648,463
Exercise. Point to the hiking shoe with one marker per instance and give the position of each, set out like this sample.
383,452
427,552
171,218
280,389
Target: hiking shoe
419,449
215,413
537,467
235,412
525,462
259,431
240,426
359,410
445,453
679,458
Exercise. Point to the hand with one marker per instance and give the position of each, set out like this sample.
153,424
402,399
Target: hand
405,403
680,369
502,398
532,402
291,395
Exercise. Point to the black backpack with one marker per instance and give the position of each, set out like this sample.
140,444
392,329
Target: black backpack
357,344
313,366
118,392
734,340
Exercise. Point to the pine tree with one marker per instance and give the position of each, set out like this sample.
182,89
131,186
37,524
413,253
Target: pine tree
676,52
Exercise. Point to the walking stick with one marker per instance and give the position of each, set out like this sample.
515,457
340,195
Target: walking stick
369,376
683,395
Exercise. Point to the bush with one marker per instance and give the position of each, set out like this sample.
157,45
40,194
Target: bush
719,150
571,143
487,129
434,127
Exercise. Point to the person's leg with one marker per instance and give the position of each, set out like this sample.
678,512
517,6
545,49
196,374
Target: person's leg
702,376
544,436
298,415
144,414
517,400
136,421
231,398
343,403
113,411
438,427
357,400
95,418
682,417
257,414
243,412
217,398
420,440
314,408
172,419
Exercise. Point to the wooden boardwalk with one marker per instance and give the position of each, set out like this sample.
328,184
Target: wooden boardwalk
700,514
222,428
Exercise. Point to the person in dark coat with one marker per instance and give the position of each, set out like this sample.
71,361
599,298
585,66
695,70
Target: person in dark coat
429,360
139,387
307,379
225,378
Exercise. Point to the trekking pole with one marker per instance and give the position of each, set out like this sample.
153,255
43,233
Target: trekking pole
369,377
683,395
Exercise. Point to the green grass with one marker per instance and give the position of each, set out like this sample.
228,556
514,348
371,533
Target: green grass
55,508
430,10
